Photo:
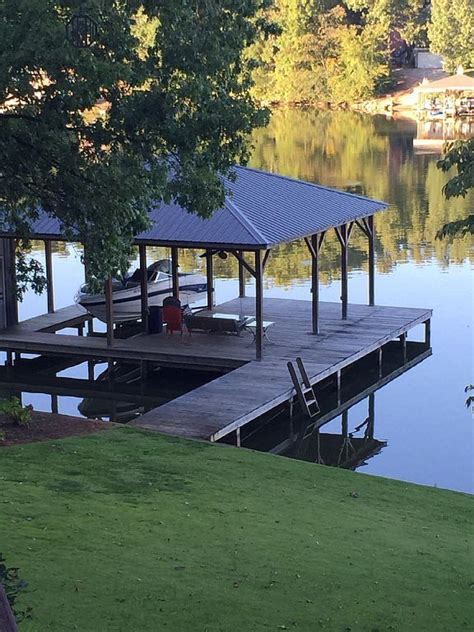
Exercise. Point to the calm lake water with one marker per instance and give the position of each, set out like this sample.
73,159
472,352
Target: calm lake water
421,415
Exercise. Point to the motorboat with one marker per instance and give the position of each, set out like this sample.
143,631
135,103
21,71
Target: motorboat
127,292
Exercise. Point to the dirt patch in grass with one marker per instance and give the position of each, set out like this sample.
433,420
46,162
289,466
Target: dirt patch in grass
46,426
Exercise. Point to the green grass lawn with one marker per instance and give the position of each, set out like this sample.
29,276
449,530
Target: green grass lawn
131,531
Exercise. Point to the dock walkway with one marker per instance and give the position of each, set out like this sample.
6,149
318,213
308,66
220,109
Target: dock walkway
231,401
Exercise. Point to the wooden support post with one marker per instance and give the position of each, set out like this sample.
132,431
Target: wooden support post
259,304
371,417
113,411
109,311
174,271
314,246
315,284
90,326
90,371
380,361
8,248
210,279
403,344
54,404
344,292
49,275
345,424
338,386
241,278
427,324
371,239
143,286
237,438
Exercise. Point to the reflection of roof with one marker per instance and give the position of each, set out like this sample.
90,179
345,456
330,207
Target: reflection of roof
454,82
261,210
358,451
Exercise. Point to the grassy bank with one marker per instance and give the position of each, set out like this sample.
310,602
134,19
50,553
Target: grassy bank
127,531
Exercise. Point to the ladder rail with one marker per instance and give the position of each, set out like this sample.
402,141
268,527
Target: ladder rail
303,388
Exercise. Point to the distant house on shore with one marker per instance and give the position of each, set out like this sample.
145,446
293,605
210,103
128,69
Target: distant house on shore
452,96
424,58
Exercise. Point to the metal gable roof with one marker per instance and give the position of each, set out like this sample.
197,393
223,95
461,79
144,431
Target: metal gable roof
261,210
283,209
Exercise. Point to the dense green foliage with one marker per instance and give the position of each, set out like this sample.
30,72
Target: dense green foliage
135,531
459,155
90,134
335,50
451,32
321,54
341,50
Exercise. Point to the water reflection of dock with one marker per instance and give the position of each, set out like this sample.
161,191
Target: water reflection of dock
293,436
432,135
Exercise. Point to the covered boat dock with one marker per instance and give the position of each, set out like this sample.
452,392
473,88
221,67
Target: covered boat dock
262,211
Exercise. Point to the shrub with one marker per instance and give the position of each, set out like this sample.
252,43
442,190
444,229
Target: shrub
13,409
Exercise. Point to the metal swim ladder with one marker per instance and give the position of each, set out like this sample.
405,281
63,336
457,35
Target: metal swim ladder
305,392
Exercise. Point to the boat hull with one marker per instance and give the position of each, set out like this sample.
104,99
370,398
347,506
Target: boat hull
127,302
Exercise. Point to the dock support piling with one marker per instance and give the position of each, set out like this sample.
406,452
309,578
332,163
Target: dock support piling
90,370
371,417
210,279
427,325
403,344
49,275
338,387
259,304
143,286
380,361
174,271
109,310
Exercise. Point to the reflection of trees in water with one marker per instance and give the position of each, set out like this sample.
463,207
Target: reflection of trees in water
359,153
344,149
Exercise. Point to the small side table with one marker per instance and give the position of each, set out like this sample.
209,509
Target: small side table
252,327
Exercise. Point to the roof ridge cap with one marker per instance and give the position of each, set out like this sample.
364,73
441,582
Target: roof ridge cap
313,184
247,223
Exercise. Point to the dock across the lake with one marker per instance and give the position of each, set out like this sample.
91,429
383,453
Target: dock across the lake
248,388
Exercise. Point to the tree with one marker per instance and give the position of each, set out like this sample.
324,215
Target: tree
451,32
156,108
460,156
408,17
295,60
361,67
